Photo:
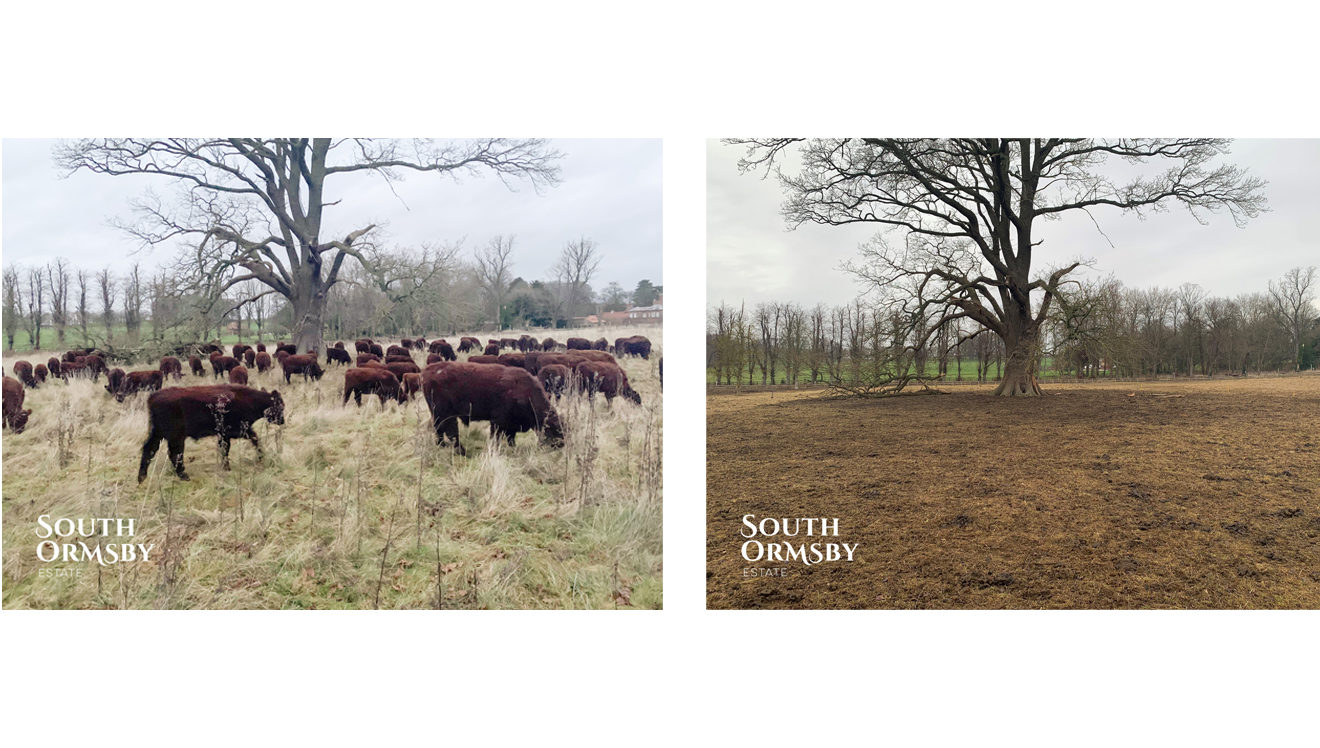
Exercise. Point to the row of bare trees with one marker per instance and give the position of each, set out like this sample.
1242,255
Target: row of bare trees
1097,328
94,303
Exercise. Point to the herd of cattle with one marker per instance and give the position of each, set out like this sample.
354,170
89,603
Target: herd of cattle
512,390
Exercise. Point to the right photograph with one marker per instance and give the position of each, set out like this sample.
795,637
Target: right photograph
1026,373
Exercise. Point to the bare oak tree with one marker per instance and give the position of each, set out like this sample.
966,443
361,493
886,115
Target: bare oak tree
106,281
254,209
574,269
495,273
1293,297
987,194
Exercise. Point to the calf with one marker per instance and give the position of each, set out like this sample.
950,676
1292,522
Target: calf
304,364
222,364
195,363
23,371
606,378
263,361
226,411
56,369
15,416
139,381
249,358
511,399
114,380
371,380
554,378
412,384
170,366
238,375
40,372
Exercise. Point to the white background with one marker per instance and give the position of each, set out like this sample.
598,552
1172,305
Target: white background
684,72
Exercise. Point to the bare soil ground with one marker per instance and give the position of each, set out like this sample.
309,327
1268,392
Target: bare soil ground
1151,495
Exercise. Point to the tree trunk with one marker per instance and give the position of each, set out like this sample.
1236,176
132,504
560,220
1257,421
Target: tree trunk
1019,378
308,320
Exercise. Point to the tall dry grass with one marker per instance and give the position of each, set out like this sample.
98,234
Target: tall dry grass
352,507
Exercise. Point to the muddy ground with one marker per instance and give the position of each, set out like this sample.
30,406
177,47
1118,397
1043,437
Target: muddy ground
1202,494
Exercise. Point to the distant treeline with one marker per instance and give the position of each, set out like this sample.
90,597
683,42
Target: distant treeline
1099,329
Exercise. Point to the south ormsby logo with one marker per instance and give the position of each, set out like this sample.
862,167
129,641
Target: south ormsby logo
808,553
58,540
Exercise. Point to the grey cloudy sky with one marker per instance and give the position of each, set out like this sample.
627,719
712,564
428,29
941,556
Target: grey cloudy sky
753,257
610,193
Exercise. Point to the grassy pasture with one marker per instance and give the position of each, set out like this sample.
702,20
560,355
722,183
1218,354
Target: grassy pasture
352,508
1170,494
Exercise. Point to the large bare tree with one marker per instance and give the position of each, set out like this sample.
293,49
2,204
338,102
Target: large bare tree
255,209
968,209
57,280
13,304
106,281
574,270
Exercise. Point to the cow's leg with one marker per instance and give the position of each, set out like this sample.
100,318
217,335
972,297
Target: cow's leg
175,446
252,437
148,452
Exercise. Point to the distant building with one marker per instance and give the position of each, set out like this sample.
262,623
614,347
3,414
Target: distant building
646,315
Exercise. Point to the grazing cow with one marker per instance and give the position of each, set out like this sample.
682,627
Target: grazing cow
114,380
554,378
249,358
239,348
365,358
40,371
71,356
601,345
400,369
445,350
549,344
170,366
281,355
338,354
56,369
227,411
263,362
511,359
466,344
209,348
363,346
511,399
95,364
261,347
412,384
223,365
304,364
371,380
637,345
492,349
484,358
340,345
23,370
238,375
15,416
606,378
524,343
289,348
397,350
397,359
140,381
534,361
406,343
508,342
579,344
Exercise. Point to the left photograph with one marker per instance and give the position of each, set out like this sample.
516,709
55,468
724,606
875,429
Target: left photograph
332,374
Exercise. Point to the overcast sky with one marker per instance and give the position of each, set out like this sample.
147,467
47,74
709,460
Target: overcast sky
753,257
610,193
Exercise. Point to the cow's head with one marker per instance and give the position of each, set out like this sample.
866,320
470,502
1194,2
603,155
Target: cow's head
551,430
275,413
20,421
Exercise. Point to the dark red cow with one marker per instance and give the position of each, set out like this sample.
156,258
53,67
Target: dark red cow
23,371
223,365
511,359
363,345
605,378
376,350
445,350
238,375
56,369
249,358
195,363
365,358
511,399
549,344
15,416
40,371
114,380
601,344
338,354
261,347
466,344
637,345
397,359
412,384
492,349
304,364
484,358
397,350
171,367
263,361
579,344
227,411
400,368
371,380
288,348
554,378
140,381
239,348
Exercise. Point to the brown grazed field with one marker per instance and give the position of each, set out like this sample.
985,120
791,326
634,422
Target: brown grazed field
1114,495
